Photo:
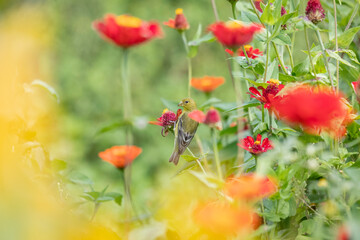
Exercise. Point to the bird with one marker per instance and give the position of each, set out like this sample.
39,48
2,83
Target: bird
185,129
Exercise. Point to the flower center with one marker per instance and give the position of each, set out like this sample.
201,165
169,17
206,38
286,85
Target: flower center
119,152
206,82
257,143
247,48
234,24
274,81
179,11
128,21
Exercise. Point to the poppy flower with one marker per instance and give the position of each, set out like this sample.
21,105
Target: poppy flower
207,83
255,147
223,218
127,31
234,34
268,94
120,156
314,11
180,23
167,120
211,118
250,52
315,109
250,187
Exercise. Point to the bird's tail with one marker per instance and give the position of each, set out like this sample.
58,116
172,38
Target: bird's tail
174,157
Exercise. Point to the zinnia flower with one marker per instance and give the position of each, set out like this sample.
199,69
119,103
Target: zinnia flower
120,156
126,31
207,83
255,147
223,218
250,187
268,93
180,23
315,109
211,118
234,34
250,52
167,120
314,11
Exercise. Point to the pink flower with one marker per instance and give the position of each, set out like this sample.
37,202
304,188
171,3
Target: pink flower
314,11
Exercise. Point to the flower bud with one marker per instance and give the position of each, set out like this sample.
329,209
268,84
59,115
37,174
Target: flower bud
314,11
180,20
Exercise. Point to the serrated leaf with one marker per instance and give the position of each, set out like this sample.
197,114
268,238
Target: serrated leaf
351,54
346,38
282,39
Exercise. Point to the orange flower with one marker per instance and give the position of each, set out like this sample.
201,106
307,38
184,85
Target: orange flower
120,156
223,218
315,109
207,83
234,34
180,23
250,187
126,31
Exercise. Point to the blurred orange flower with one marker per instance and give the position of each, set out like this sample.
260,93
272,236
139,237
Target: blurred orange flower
250,187
126,31
225,219
120,156
207,83
180,23
234,34
329,111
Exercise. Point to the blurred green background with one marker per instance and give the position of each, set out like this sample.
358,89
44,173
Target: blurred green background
86,74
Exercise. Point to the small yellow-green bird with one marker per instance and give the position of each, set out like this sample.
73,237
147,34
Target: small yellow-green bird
185,129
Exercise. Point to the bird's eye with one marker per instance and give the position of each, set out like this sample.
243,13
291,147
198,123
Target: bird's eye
186,101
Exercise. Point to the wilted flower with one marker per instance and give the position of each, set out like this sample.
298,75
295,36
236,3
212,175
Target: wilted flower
314,11
223,218
255,147
120,156
234,34
180,23
250,52
167,120
250,187
207,83
127,31
315,109
268,93
211,118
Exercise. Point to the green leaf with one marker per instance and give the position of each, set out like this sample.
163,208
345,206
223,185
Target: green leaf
251,103
346,38
282,39
257,84
210,102
271,13
307,227
47,87
261,127
58,165
208,180
206,38
242,61
284,78
117,197
271,69
337,57
113,126
93,196
224,106
302,68
189,158
171,105
80,178
351,54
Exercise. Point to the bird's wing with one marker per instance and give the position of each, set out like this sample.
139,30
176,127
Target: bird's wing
184,138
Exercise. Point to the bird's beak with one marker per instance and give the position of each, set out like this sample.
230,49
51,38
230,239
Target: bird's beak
181,104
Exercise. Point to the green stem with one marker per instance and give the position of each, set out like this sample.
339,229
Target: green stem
270,122
248,62
279,58
267,60
233,8
262,113
96,208
216,154
336,47
325,59
215,10
308,49
263,215
183,36
290,56
126,97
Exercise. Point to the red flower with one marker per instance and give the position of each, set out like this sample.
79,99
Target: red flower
268,94
180,23
250,52
234,34
225,219
211,118
126,31
167,120
207,83
258,5
120,156
250,187
255,147
356,87
315,109
343,233
314,11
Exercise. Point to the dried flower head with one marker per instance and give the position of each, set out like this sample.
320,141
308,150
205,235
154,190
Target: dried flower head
314,11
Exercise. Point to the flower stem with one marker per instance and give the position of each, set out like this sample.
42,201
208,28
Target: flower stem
248,62
198,141
233,8
183,36
215,10
325,59
308,49
278,57
96,208
216,154
126,97
290,56
336,48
